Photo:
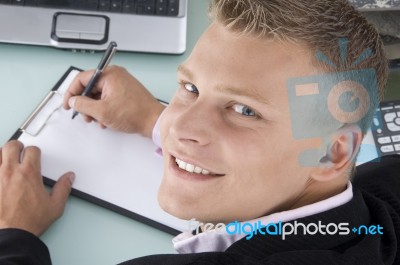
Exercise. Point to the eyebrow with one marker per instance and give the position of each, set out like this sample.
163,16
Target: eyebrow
185,71
228,90
242,93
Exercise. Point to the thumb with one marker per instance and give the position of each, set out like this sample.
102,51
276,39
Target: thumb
85,105
60,192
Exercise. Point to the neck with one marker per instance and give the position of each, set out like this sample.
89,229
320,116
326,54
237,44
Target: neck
316,191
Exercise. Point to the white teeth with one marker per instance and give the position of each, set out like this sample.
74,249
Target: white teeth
191,168
205,172
182,164
197,170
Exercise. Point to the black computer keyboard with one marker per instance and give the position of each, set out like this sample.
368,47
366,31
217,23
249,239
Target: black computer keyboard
147,7
386,128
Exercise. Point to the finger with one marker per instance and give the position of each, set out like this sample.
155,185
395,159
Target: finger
60,193
87,106
87,118
77,86
32,157
12,152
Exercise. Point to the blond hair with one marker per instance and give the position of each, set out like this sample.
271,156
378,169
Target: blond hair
317,24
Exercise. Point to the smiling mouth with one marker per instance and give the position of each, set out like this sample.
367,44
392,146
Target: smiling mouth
194,169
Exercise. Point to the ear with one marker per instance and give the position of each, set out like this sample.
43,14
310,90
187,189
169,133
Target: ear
341,153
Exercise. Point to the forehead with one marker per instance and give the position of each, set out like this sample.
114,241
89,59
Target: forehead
242,57
223,57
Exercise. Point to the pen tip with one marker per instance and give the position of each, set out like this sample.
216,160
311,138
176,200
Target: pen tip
74,115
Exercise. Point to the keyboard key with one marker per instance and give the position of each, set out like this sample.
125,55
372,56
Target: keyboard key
116,6
384,140
173,8
393,127
149,9
18,2
161,3
172,11
397,147
161,10
128,6
389,117
42,3
387,108
60,4
387,149
5,1
145,7
145,10
140,9
161,7
396,138
89,4
104,5
397,121
145,2
30,2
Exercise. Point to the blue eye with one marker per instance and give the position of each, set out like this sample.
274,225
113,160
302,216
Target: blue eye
244,110
191,88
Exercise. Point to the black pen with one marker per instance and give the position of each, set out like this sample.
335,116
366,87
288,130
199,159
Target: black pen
112,47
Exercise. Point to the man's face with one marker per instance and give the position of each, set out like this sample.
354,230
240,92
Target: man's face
229,127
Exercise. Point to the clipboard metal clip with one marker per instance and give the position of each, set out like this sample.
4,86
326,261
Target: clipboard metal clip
45,115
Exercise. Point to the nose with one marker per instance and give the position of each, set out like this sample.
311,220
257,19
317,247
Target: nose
195,125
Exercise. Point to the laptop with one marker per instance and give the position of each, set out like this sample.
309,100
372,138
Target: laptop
153,26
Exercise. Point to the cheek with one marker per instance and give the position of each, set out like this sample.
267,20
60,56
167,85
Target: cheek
271,155
256,146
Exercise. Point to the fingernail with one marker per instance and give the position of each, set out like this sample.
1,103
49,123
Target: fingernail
71,102
71,177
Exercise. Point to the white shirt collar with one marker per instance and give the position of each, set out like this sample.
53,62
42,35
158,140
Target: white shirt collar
186,242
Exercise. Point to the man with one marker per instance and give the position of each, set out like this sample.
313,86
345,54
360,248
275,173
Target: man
231,149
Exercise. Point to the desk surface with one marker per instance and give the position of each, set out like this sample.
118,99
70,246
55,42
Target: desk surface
89,234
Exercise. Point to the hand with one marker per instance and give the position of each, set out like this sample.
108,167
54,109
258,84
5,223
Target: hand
118,101
24,201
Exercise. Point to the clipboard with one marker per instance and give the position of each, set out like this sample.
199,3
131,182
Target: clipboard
115,170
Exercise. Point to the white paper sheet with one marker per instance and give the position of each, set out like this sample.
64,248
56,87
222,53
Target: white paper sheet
122,169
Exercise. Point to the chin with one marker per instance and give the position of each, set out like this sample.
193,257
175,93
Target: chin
175,205
170,204
175,209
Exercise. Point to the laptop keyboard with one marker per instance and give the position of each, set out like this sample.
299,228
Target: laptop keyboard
145,7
